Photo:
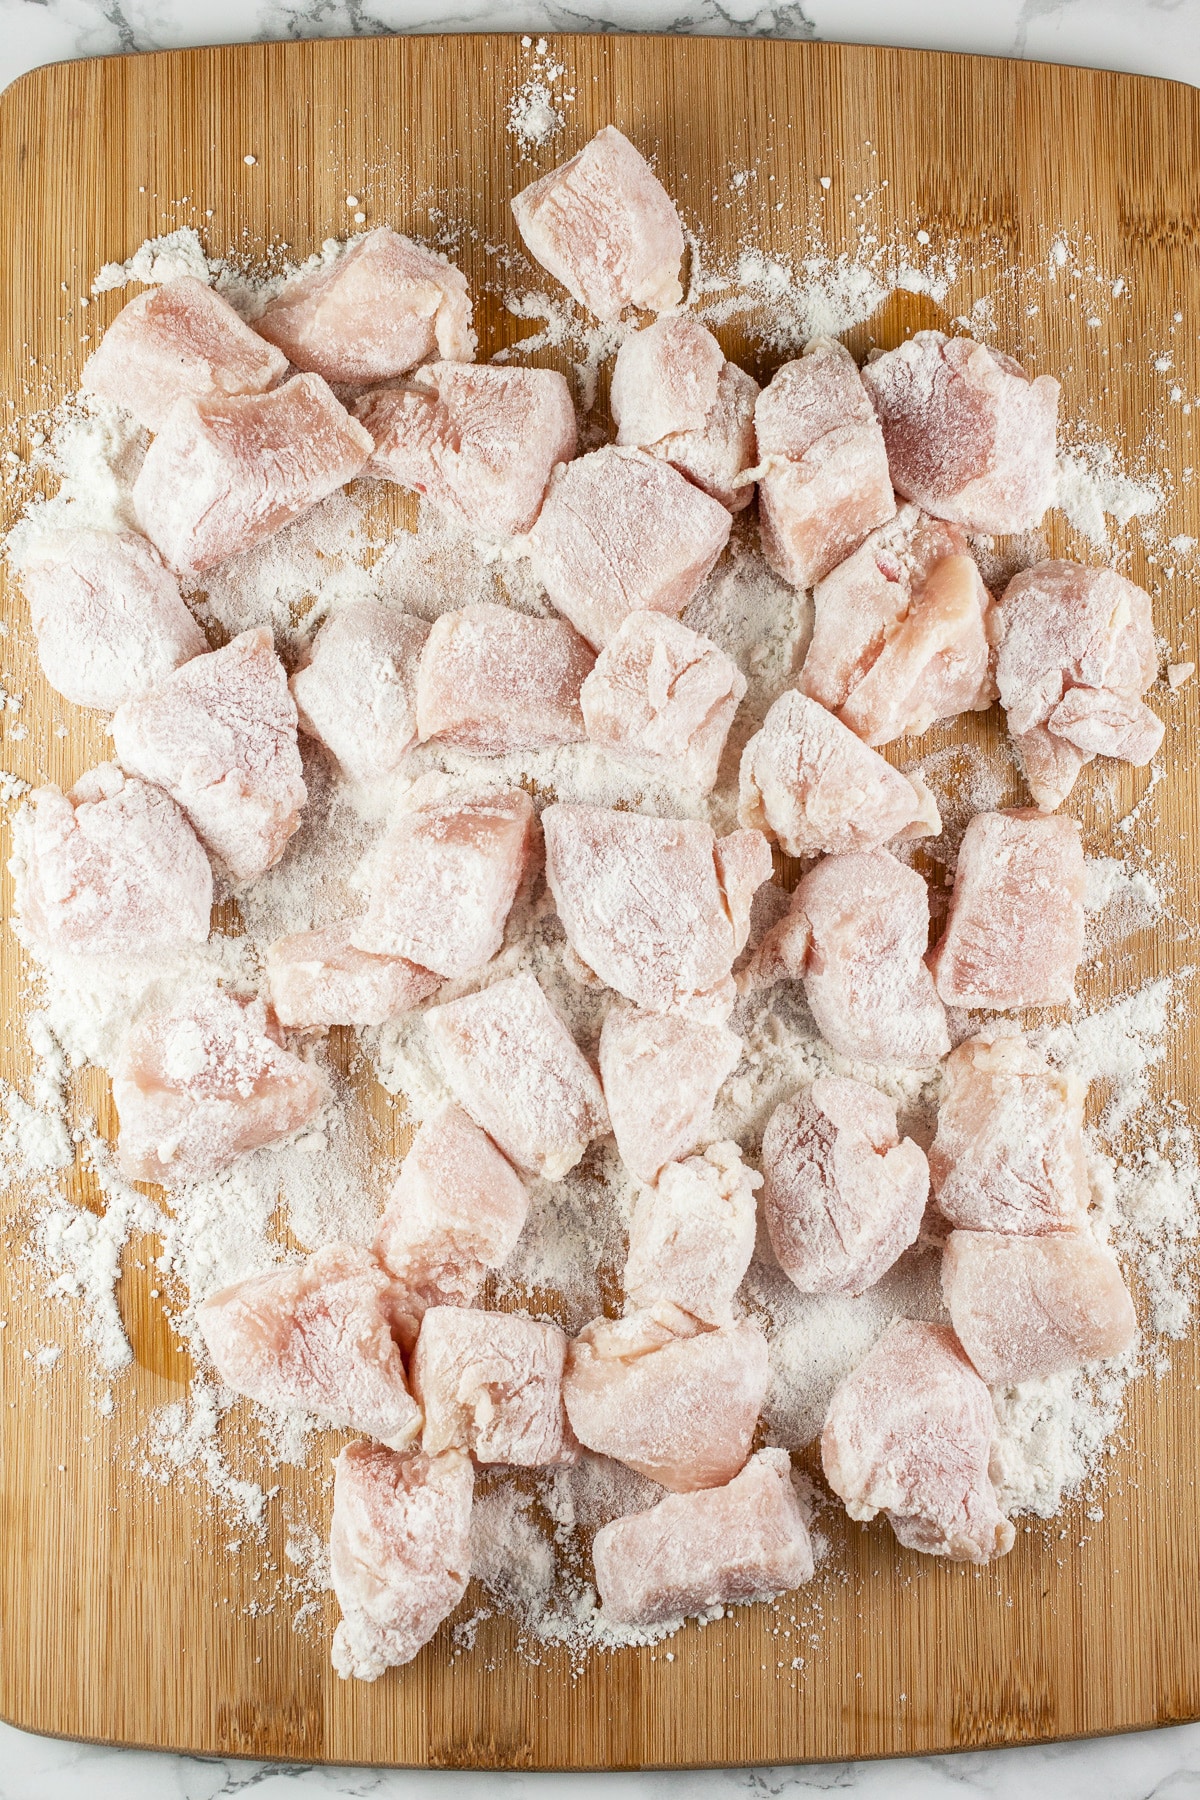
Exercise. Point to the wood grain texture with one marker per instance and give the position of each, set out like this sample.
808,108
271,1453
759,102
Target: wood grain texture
125,1618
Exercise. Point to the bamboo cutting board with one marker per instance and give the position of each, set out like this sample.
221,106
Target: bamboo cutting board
125,1618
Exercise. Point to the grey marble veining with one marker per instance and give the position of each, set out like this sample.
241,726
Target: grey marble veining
1155,37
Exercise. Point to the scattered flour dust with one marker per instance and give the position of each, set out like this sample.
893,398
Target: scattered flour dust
532,1529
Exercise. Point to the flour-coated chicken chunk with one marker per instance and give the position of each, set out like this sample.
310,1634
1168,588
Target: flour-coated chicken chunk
824,481
691,1236
720,1547
624,532
1014,934
219,735
318,978
224,475
909,1432
399,1552
661,1073
969,435
516,1069
107,614
493,681
357,691
675,395
180,340
383,305
197,1086
604,225
491,1383
842,1196
663,695
111,866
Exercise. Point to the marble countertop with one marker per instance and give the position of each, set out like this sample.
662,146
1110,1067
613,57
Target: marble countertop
1152,37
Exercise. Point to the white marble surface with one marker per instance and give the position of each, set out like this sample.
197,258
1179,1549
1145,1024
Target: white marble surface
1153,37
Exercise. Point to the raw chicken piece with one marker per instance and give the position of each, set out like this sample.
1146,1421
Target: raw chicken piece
112,866
860,606
720,1547
644,904
107,615
1009,1152
661,693
811,785
743,863
220,735
180,340
604,225
196,1087
383,305
1076,654
935,665
823,479
399,1552
444,882
675,395
622,532
222,475
357,692
1025,1307
491,1383
318,978
867,985
969,436
517,1070
456,1211
478,440
315,1338
1014,933
692,1236
909,1433
661,1074
782,955
843,1197
676,1404
493,680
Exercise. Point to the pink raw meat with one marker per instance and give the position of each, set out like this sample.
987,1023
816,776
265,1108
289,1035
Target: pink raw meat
843,1197
220,735
478,440
1009,1152
491,1383
623,532
399,1552
444,882
867,985
384,304
456,1211
1026,1307
517,1070
910,1433
674,394
315,1338
811,785
1014,934
107,615
196,1087
222,475
677,1404
318,978
644,904
112,866
357,692
493,680
692,1552
860,606
691,1236
661,694
661,1074
969,436
935,665
604,225
180,340
823,473
1076,654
